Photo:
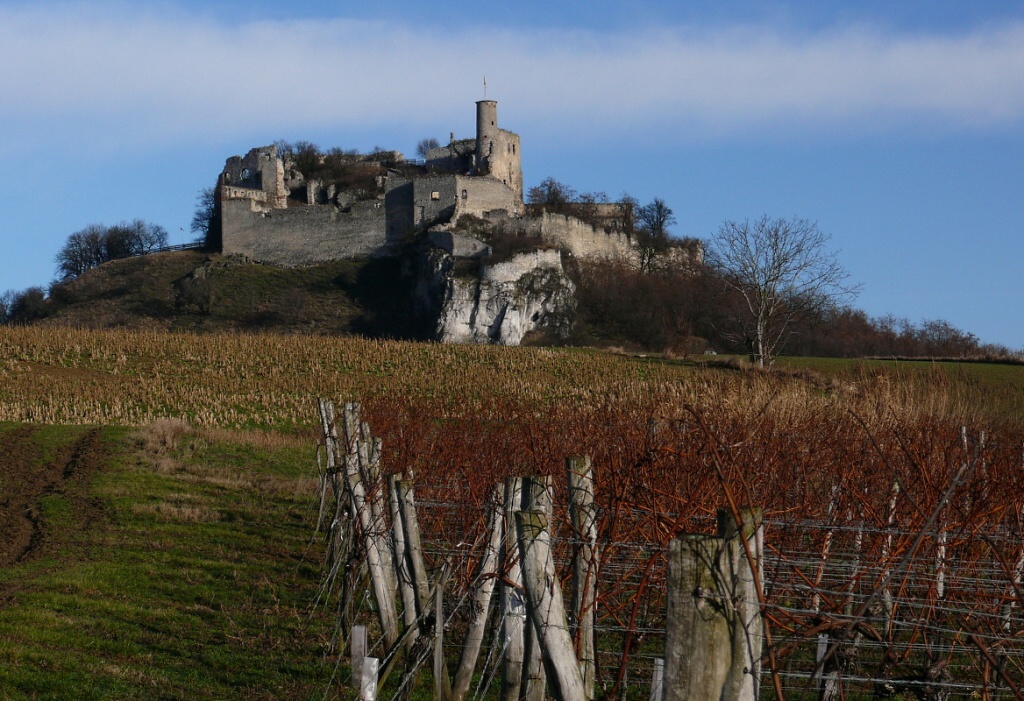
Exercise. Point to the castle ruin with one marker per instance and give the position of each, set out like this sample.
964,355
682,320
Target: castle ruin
463,201
271,212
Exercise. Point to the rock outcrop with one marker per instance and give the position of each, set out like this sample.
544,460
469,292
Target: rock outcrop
475,300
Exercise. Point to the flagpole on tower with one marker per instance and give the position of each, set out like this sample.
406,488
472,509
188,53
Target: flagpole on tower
485,87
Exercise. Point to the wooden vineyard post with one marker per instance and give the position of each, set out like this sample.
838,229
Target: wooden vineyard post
378,550
583,515
357,653
330,473
513,604
486,576
413,544
714,638
657,680
335,518
546,607
368,681
697,635
537,496
442,683
744,542
403,568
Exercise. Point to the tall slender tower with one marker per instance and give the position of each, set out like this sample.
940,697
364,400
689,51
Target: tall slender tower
487,133
497,150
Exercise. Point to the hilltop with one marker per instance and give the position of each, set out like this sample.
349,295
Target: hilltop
195,291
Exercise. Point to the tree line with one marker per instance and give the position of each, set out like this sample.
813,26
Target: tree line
83,250
761,288
767,287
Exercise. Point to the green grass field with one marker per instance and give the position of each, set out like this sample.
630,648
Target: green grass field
181,568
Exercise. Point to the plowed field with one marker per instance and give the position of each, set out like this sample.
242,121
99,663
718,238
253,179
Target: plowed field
31,470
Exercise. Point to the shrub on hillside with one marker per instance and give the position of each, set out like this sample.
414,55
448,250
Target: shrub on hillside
24,307
96,244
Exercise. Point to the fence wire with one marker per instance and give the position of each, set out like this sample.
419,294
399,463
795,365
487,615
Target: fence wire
855,613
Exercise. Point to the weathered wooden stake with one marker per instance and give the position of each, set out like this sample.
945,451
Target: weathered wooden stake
413,544
365,450
357,653
368,686
378,551
403,569
890,522
697,645
538,495
486,576
513,601
744,545
657,680
714,638
330,473
546,607
583,515
442,683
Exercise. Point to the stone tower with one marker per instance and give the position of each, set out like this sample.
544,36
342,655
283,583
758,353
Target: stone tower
497,150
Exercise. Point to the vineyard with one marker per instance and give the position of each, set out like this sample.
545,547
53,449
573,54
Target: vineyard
893,493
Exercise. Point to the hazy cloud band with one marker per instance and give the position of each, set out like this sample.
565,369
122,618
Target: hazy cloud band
175,74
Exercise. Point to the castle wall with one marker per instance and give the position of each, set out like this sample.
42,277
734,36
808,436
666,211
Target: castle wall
504,161
583,240
305,235
434,200
398,208
479,195
260,170
457,156
443,198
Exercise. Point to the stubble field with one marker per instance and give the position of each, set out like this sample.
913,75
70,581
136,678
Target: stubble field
671,442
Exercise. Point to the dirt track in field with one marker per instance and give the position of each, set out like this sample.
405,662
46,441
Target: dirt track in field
26,476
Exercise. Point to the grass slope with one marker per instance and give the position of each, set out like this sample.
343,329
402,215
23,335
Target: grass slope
170,564
342,297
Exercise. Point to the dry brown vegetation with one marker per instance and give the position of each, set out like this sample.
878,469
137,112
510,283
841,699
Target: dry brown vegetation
671,443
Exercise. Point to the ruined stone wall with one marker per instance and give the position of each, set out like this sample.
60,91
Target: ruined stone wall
398,208
434,199
479,195
232,192
581,239
306,235
504,161
260,169
458,156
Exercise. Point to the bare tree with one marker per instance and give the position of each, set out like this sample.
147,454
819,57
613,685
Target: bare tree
652,235
132,238
83,250
206,219
782,272
426,145
97,244
552,194
628,206
6,303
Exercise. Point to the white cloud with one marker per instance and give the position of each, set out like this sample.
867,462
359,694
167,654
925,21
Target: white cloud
174,75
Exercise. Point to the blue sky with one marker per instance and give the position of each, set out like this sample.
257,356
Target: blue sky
897,127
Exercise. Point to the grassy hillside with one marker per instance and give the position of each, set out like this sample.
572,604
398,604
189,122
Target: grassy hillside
163,564
192,291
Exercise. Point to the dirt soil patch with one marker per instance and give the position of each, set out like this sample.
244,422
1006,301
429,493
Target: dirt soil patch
28,475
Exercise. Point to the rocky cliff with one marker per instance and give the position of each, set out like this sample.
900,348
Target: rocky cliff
477,301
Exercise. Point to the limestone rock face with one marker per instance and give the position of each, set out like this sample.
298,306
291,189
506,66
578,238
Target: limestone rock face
498,303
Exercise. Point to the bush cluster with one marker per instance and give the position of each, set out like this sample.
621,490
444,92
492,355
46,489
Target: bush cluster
691,310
